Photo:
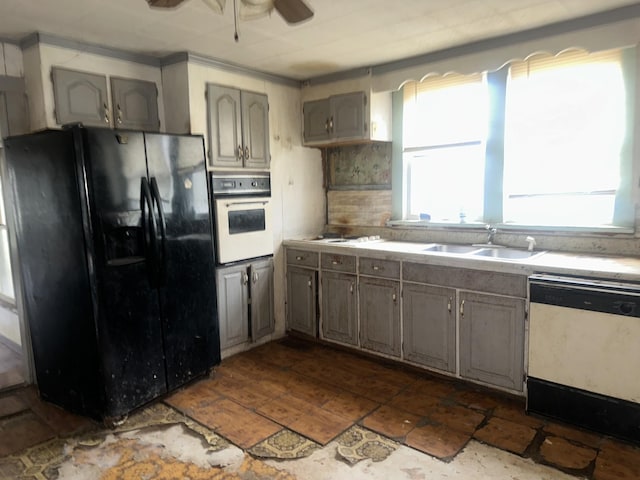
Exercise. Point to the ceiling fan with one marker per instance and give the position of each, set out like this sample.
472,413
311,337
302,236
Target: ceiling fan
293,11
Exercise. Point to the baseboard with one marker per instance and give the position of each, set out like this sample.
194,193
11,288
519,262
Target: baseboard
608,415
11,345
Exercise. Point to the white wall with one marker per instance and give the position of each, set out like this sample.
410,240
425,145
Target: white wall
296,172
42,115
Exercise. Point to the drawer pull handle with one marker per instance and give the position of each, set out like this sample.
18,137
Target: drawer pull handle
376,268
336,262
449,305
299,258
462,308
394,297
309,283
351,288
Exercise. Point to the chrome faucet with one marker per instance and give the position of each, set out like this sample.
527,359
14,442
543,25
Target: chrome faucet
531,241
491,232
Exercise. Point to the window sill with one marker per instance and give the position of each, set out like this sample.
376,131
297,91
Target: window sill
513,228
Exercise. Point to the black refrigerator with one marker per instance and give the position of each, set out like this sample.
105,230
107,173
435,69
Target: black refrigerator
114,243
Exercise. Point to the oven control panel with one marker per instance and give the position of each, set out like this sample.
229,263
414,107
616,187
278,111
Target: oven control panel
234,183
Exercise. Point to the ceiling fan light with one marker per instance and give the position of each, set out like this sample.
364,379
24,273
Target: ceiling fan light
293,11
254,9
164,3
216,5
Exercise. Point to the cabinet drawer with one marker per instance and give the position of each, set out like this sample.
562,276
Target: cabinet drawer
464,278
302,258
338,262
379,268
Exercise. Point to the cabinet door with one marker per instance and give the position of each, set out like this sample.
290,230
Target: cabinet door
316,121
429,326
14,119
347,115
135,104
492,339
255,130
339,307
80,97
380,315
261,292
301,300
225,128
233,305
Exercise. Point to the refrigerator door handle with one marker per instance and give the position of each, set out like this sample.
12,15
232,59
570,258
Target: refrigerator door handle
162,267
149,230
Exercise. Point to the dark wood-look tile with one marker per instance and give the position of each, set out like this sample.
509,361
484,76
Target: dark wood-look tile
350,406
417,403
314,391
285,410
62,422
617,461
506,435
375,389
277,354
435,388
514,411
561,453
574,434
320,425
194,397
458,418
23,431
12,404
391,422
437,440
476,400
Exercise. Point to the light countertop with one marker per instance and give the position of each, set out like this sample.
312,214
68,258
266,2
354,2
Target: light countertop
588,265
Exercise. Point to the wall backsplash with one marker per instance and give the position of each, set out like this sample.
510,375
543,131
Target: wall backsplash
362,166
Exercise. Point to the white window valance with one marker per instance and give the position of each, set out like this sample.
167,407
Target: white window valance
623,33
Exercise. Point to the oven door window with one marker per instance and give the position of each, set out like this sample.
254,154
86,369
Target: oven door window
245,221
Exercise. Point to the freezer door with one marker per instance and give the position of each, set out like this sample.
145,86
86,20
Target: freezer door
128,325
187,293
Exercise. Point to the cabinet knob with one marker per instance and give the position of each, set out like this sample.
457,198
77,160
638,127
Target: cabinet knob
255,277
299,258
462,308
331,125
351,288
376,268
246,153
449,304
394,297
245,278
106,113
240,152
309,283
336,262
119,117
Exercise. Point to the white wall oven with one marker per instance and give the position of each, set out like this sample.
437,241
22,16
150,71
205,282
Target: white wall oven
242,215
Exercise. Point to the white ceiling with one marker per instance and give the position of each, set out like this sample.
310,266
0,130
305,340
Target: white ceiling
343,34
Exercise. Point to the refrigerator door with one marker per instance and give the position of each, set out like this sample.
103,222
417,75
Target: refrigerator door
128,317
44,200
188,306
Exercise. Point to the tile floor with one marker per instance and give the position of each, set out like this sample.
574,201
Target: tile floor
291,394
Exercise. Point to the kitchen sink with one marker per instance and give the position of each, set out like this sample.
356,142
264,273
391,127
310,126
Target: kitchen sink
506,253
450,248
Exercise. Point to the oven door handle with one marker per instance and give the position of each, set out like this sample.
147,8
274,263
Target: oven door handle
231,204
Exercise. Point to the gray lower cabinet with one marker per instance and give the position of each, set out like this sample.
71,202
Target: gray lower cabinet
261,294
340,307
302,300
379,302
233,305
80,97
491,339
135,104
245,302
429,326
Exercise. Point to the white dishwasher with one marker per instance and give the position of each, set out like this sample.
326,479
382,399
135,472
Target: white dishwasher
584,353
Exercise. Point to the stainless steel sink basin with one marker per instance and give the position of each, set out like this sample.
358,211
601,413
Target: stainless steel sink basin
506,253
450,248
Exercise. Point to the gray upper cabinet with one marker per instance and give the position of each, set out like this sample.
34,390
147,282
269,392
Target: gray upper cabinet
492,339
429,326
238,128
80,97
348,118
261,293
14,119
135,104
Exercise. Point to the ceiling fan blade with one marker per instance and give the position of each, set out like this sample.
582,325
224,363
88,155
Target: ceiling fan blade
215,5
293,11
164,3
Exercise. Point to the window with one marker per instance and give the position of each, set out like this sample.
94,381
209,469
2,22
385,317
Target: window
445,119
543,142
